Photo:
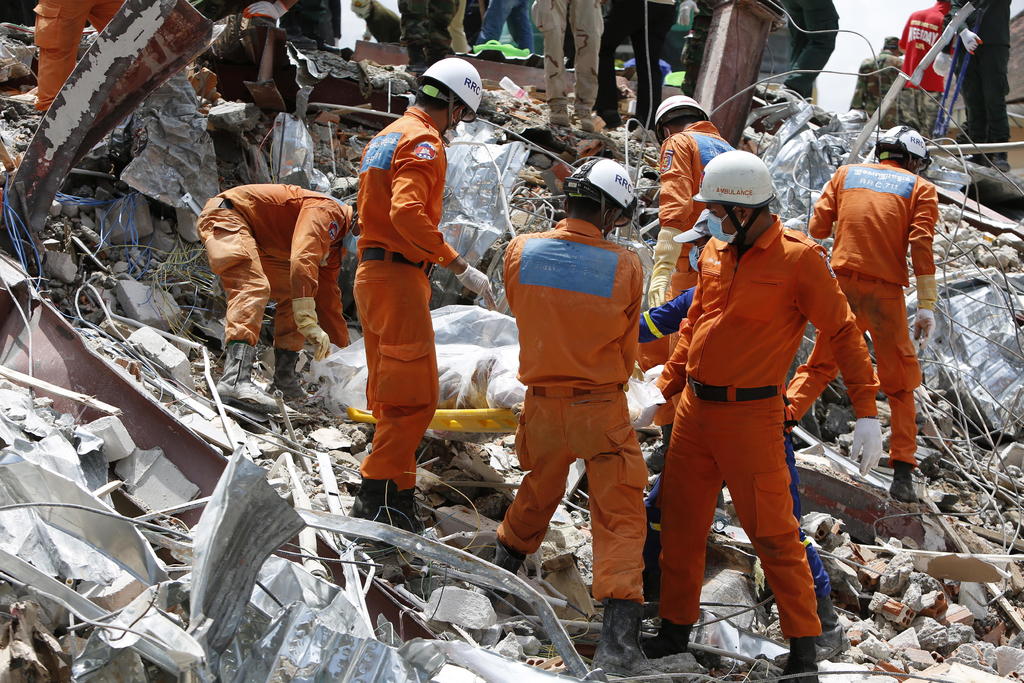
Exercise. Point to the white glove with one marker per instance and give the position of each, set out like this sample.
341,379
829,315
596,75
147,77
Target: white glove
361,8
867,443
924,325
476,282
942,64
267,10
971,40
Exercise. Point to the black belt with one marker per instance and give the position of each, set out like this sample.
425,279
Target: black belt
706,392
381,254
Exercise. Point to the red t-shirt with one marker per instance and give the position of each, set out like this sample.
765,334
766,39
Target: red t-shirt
922,30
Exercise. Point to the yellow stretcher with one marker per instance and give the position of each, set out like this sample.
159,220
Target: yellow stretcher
482,421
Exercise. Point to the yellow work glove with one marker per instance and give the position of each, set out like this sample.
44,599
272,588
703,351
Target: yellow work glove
927,292
666,253
304,311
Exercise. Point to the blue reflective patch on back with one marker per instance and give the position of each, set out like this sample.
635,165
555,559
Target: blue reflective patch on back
380,152
880,180
710,147
570,266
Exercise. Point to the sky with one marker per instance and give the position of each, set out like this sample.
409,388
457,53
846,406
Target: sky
875,19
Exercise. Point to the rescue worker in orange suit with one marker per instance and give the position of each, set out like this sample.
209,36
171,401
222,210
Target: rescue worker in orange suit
58,34
758,286
688,142
570,283
876,211
277,242
401,184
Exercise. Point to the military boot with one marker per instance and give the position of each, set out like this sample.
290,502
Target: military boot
286,378
801,660
379,500
902,488
999,161
417,60
236,386
671,640
559,116
507,558
832,639
618,651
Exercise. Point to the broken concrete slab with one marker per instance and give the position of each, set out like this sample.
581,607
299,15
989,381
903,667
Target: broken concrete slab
60,265
149,305
117,442
154,481
234,117
165,355
466,608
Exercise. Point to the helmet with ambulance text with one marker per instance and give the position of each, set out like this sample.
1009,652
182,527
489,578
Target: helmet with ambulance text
456,76
736,179
677,105
903,141
598,179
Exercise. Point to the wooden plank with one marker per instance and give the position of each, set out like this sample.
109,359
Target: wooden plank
47,388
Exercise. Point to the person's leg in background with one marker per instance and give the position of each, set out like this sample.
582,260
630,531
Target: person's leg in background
550,18
587,28
494,19
456,31
821,20
439,43
58,33
520,26
623,18
647,42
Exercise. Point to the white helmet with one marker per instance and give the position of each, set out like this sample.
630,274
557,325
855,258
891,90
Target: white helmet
903,140
458,77
596,178
736,178
677,105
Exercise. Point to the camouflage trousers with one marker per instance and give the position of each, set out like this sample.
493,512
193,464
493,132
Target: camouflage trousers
425,25
585,18
918,109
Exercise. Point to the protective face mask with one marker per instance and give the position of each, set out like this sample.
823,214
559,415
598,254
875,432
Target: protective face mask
694,257
715,228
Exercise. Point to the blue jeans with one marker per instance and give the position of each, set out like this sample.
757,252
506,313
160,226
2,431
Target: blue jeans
652,546
517,14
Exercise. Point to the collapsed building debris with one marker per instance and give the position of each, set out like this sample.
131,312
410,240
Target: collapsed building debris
146,527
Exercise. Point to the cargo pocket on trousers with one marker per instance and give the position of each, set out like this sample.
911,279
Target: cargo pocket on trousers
522,451
48,28
225,247
632,468
773,504
405,375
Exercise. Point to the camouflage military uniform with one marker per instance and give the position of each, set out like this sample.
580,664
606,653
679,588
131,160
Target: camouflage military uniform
425,27
693,50
872,88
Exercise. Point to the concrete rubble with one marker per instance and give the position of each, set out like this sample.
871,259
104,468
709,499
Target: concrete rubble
926,590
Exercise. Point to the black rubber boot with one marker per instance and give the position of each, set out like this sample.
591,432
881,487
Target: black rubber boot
236,386
618,651
902,488
507,558
656,460
286,378
832,638
379,500
417,60
801,660
671,640
998,160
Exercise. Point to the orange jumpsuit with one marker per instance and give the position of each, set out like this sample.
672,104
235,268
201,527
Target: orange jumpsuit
401,185
59,25
876,212
576,298
277,242
741,334
683,157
